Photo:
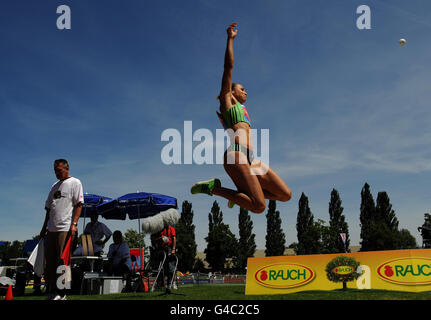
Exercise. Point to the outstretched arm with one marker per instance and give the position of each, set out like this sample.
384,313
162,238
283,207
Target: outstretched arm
226,85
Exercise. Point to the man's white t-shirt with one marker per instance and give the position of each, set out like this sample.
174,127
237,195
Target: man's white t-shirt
64,195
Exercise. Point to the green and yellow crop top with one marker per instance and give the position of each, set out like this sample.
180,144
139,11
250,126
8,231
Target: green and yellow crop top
235,114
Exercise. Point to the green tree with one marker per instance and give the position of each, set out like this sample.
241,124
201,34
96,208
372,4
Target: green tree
275,237
307,232
367,215
379,225
10,251
294,246
221,242
246,242
385,224
199,266
384,211
406,240
322,236
131,237
186,243
337,225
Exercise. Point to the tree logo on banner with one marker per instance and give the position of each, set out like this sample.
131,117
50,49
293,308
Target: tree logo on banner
342,269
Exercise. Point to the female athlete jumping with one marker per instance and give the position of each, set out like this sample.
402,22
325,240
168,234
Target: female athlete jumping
254,180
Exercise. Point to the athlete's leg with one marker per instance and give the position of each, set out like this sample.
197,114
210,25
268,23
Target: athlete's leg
250,194
274,188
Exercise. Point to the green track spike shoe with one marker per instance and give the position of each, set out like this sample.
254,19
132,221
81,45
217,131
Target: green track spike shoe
206,186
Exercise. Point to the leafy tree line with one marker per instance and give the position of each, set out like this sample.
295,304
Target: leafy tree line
224,250
226,253
314,237
10,250
379,226
379,231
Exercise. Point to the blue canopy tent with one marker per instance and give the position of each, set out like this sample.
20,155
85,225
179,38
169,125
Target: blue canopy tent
139,205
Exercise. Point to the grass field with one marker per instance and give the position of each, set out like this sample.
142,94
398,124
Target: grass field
237,292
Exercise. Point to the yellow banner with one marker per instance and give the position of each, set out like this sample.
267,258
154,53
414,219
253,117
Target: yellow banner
401,270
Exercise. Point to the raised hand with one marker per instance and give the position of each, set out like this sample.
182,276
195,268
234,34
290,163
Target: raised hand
231,31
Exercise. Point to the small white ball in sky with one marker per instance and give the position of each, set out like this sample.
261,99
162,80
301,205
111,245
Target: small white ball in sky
402,42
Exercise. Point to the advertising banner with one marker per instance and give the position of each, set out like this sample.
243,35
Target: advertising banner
401,270
139,258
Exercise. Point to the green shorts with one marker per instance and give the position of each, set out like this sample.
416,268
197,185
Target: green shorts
247,152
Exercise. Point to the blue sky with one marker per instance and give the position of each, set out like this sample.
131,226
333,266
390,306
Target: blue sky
343,106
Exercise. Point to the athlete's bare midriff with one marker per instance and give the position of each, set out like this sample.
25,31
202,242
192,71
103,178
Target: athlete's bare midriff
243,135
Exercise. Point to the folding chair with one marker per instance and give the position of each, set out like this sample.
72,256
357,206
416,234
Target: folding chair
88,251
87,245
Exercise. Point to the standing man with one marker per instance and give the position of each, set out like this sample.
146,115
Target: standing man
167,241
63,208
